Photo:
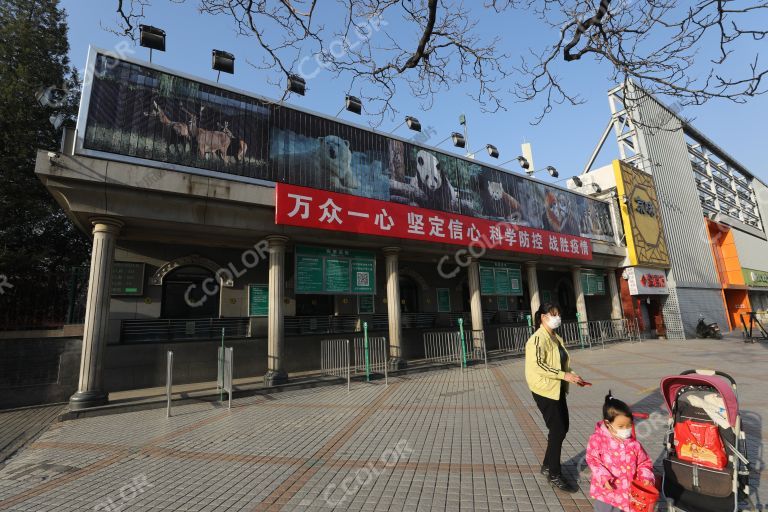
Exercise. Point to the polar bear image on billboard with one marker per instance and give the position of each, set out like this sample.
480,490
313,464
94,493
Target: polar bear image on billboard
321,162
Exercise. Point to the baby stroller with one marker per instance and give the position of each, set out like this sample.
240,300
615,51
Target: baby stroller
706,468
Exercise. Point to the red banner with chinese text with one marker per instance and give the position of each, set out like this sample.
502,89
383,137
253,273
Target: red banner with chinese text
321,209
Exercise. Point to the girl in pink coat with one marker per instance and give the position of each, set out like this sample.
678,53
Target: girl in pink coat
616,458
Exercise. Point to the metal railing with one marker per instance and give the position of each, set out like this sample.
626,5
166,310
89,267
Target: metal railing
608,331
512,339
167,330
574,334
334,359
455,346
371,355
442,346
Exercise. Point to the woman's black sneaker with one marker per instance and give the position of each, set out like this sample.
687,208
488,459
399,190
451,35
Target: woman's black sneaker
544,471
561,483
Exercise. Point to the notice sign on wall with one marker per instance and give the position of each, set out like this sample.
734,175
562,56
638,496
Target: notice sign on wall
127,278
500,278
335,271
258,300
592,282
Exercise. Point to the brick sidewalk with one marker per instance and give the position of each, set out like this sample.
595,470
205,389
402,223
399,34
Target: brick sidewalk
444,440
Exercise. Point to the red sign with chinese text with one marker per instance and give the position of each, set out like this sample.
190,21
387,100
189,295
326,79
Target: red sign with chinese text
321,209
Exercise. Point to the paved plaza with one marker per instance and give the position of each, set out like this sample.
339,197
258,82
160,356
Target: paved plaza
440,440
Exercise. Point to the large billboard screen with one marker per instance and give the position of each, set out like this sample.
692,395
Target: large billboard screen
142,112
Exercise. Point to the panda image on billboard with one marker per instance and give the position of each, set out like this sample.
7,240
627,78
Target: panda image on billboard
429,188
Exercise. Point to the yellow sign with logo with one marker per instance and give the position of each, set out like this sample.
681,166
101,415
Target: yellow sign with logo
641,216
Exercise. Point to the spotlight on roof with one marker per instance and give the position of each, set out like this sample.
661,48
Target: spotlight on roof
413,123
596,188
152,38
552,171
223,61
523,162
353,104
492,151
458,140
297,84
577,181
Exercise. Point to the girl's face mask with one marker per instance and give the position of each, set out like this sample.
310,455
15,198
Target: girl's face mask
621,433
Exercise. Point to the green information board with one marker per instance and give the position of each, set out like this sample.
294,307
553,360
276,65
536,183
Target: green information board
127,278
502,303
258,300
500,278
443,300
335,271
593,282
366,304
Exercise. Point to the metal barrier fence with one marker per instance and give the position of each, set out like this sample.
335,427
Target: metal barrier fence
334,359
574,334
602,331
371,355
512,339
455,346
442,346
168,383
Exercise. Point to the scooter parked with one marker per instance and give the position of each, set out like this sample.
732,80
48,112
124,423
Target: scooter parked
705,330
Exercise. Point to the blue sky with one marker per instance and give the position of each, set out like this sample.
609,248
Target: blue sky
564,139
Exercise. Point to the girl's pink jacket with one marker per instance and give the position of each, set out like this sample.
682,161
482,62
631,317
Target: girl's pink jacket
616,461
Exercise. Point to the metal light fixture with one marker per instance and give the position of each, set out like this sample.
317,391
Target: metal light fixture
457,139
353,104
152,38
550,170
493,152
596,188
577,181
412,122
223,61
296,84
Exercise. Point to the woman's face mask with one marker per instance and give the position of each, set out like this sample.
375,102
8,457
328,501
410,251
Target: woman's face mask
553,321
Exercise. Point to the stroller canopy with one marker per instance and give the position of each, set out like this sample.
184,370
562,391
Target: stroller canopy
672,384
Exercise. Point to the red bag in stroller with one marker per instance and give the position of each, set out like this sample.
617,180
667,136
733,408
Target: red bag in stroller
700,443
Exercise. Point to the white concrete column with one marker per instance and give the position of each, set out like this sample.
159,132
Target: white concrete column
613,289
533,287
89,390
581,304
275,333
475,300
396,360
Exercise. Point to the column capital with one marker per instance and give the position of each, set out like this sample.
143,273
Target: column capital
531,264
277,240
106,225
390,250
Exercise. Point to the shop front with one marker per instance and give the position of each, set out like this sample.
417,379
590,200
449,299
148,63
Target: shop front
757,285
646,292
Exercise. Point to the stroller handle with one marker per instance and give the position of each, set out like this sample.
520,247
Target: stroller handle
711,372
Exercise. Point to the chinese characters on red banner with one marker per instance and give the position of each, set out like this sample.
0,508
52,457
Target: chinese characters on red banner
321,209
653,281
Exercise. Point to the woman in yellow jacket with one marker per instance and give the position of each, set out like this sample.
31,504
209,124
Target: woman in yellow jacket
548,373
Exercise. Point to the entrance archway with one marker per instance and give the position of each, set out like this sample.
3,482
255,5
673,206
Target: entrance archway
187,294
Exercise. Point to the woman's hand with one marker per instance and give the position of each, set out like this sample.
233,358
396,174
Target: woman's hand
573,378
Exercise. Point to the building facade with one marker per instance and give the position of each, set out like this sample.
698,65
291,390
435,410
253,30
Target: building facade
712,212
216,213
